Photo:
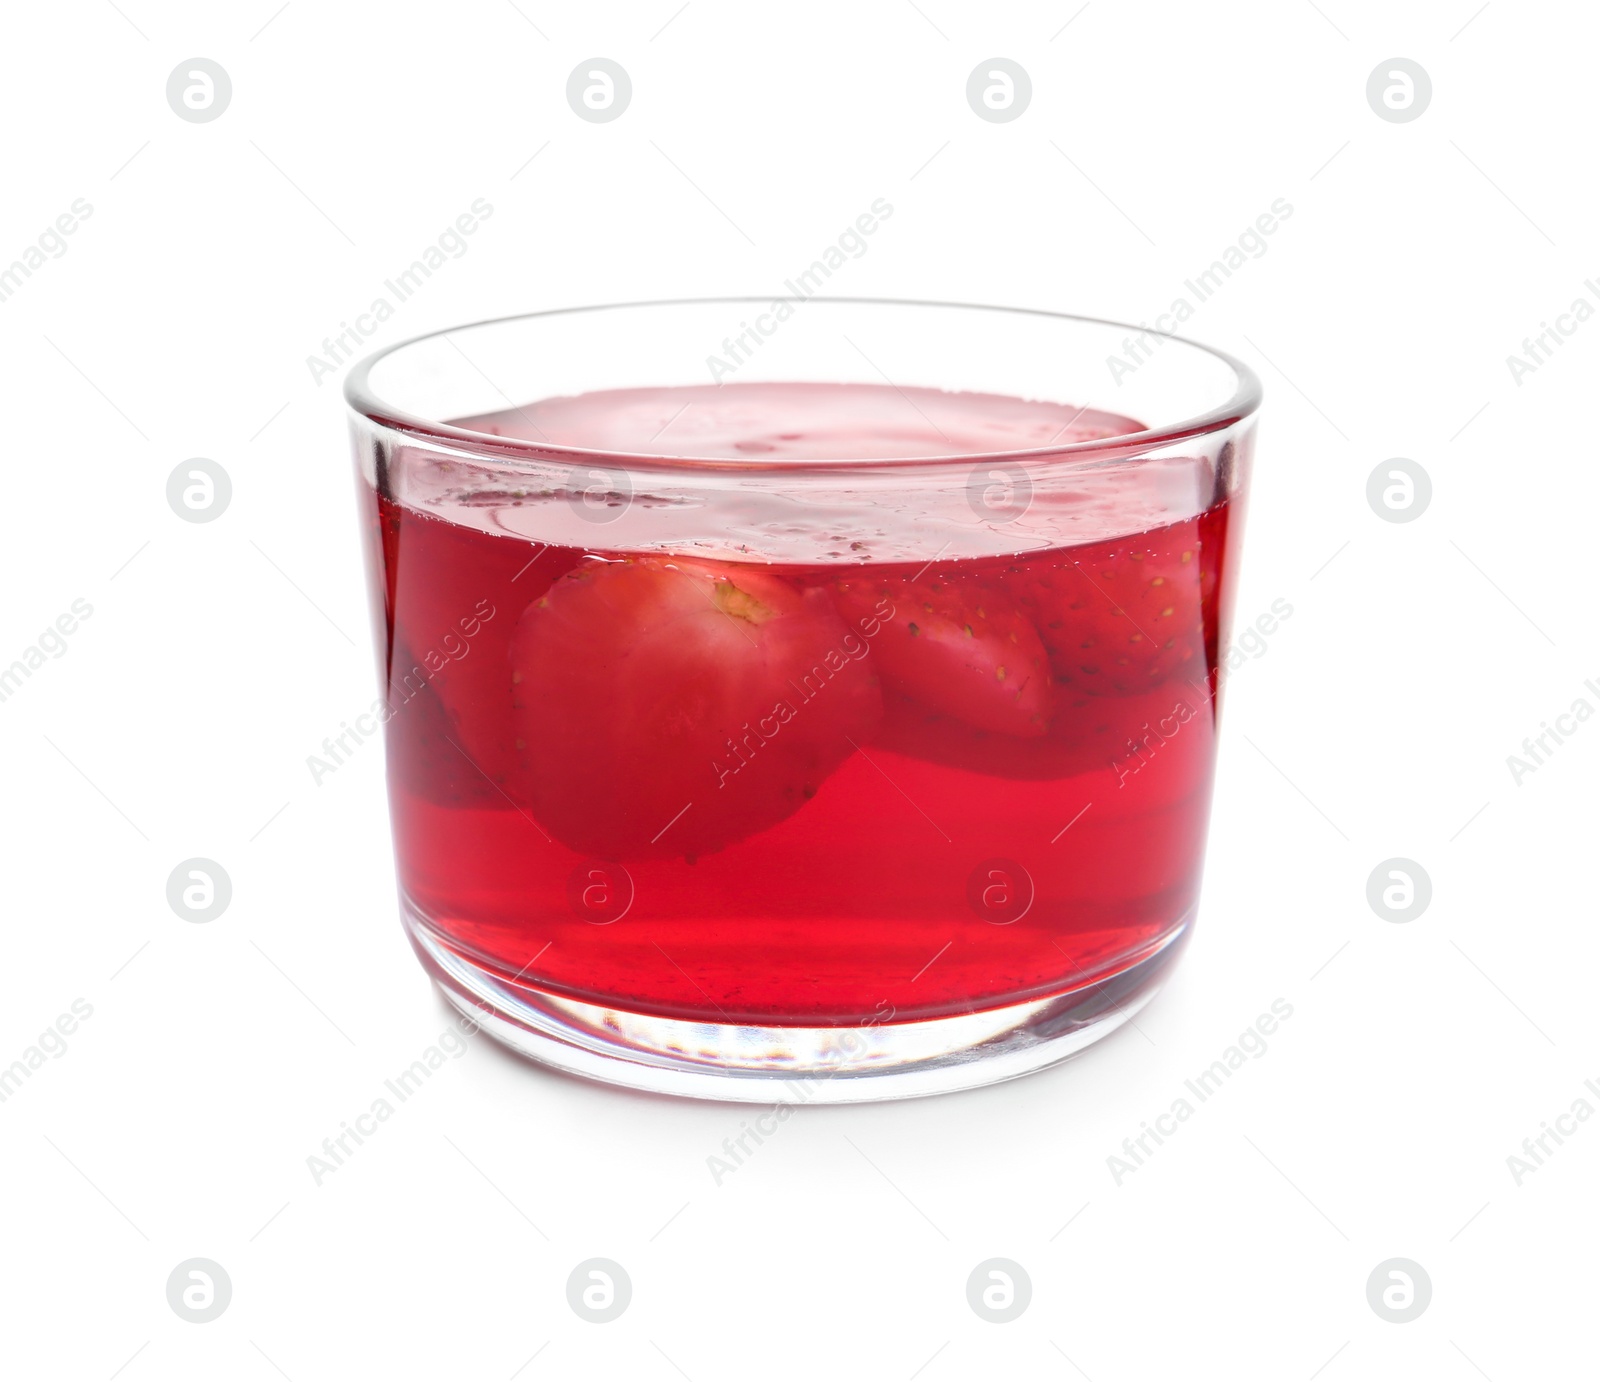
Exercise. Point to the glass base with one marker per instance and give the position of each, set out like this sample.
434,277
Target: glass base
784,1064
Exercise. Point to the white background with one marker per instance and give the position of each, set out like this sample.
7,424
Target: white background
1377,722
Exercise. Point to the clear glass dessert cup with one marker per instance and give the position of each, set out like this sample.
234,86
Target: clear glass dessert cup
809,700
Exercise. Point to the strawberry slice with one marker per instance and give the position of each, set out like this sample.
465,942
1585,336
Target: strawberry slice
954,646
668,707
1122,617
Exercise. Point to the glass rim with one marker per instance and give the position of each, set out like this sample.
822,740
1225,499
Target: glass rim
362,398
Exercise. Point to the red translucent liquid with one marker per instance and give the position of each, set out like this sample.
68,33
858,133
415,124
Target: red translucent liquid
1004,828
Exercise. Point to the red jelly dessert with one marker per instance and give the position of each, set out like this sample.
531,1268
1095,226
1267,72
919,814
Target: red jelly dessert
777,760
